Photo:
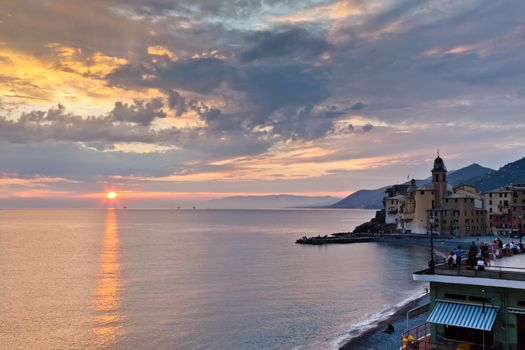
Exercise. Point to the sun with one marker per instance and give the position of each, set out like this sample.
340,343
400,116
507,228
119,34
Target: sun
111,195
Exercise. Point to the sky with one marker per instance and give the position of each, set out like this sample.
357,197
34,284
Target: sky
171,103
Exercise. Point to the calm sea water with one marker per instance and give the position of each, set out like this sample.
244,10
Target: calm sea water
200,279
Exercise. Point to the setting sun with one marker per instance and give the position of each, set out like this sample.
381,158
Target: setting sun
111,195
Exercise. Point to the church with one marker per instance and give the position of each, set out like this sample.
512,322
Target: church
456,211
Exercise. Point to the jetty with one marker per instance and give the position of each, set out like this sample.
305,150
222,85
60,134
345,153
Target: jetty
335,239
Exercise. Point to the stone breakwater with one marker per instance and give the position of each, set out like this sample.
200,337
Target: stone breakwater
335,239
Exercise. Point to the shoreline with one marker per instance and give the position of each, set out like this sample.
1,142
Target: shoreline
368,339
373,337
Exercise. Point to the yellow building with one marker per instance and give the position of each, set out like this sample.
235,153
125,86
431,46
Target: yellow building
458,211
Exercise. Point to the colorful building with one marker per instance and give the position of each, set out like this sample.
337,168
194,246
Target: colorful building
474,309
506,209
457,211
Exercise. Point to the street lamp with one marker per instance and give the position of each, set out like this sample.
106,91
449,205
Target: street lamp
431,263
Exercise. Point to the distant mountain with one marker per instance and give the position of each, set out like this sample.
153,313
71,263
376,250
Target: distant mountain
363,199
468,174
511,173
272,202
373,199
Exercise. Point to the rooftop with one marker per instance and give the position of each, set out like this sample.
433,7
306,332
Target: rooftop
399,197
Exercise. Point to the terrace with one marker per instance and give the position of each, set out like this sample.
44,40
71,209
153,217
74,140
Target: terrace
505,272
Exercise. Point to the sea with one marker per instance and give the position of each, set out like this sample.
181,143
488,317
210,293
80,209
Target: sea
194,279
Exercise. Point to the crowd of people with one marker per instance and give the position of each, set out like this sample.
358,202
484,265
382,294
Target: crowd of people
480,254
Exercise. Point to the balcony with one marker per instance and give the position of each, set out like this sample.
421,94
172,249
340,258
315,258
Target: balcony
507,272
419,338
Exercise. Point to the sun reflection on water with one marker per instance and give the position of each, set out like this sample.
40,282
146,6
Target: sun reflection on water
107,297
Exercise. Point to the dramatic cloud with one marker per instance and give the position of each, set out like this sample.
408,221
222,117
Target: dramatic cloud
291,43
273,96
140,112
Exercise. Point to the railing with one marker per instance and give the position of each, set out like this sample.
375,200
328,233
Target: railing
417,332
419,338
493,272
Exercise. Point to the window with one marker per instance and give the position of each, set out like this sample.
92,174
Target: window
455,296
479,299
490,202
468,335
422,193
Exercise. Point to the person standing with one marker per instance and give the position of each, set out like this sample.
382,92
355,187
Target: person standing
485,253
459,251
472,253
494,249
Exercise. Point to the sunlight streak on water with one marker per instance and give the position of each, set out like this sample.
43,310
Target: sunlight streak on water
107,297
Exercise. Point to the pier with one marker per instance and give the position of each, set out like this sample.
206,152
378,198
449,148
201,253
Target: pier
335,239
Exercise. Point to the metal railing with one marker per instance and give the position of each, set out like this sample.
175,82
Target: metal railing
417,332
419,338
493,272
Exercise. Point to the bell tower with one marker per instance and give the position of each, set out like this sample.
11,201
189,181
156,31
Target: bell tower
439,181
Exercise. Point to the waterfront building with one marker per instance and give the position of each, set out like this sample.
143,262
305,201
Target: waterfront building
497,203
518,208
392,208
458,211
506,209
471,309
461,214
424,198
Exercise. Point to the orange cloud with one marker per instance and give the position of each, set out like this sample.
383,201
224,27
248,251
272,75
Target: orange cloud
39,194
283,162
68,76
32,182
333,11
159,50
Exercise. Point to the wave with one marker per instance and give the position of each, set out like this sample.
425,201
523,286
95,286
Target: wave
355,330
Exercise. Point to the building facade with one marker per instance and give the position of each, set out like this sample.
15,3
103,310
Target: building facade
497,203
457,211
506,209
476,309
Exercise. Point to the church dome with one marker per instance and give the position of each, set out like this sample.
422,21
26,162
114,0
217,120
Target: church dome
439,165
